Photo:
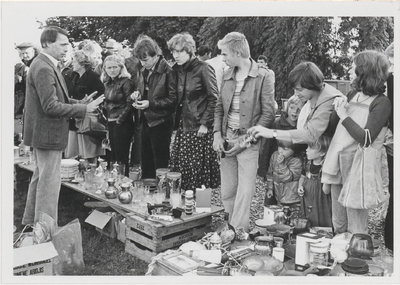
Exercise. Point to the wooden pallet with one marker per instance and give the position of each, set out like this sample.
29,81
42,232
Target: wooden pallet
145,239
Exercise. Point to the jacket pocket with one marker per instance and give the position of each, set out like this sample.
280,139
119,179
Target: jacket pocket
51,131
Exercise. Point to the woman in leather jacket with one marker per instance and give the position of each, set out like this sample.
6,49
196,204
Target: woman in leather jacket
118,108
192,153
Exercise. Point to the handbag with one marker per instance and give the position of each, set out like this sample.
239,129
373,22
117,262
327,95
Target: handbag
94,125
363,188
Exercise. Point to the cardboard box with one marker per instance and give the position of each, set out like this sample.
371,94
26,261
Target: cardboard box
104,223
34,259
269,215
203,200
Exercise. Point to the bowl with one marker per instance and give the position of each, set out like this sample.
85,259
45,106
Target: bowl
271,264
254,263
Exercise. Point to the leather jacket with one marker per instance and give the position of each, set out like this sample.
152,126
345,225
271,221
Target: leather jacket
256,100
197,94
117,95
162,95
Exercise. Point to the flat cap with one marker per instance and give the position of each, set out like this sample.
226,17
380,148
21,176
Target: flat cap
25,45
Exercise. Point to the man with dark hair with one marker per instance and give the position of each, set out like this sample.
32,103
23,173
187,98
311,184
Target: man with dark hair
157,86
263,63
47,111
204,53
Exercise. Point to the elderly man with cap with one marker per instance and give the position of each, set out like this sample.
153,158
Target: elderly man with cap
27,52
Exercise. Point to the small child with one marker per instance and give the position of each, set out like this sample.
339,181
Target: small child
283,174
310,186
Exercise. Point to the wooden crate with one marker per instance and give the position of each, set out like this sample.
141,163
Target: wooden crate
145,239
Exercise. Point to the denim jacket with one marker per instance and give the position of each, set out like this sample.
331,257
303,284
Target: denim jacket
197,93
256,100
117,99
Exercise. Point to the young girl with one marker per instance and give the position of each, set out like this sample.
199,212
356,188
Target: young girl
310,187
283,174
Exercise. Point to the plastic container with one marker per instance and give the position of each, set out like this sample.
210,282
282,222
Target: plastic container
318,253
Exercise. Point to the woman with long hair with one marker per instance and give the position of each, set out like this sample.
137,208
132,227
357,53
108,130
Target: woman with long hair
365,108
118,108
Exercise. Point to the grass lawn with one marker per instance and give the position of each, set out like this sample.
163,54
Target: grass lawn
102,255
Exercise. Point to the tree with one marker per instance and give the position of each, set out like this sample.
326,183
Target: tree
286,41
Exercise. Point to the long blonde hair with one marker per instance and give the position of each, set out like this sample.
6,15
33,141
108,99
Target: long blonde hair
120,61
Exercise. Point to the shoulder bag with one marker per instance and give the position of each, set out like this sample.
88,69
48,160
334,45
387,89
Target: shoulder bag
363,188
94,125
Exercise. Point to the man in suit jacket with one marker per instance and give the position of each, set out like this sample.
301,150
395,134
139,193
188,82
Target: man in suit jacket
47,111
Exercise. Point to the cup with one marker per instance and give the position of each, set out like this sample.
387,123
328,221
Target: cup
278,253
278,241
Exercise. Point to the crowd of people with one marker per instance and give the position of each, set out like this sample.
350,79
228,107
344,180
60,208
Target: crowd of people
214,120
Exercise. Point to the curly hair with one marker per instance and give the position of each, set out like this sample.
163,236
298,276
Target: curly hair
84,59
372,71
185,40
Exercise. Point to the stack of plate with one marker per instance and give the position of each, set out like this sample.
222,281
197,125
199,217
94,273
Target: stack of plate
69,167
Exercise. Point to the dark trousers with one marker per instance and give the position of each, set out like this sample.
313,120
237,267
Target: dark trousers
155,147
136,146
389,215
120,141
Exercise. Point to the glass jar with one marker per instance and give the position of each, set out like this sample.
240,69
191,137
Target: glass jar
264,245
174,187
161,180
318,253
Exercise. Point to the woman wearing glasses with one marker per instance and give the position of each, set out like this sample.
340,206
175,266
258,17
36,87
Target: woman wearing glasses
192,153
118,108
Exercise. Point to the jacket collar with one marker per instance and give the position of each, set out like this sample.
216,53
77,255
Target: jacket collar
159,67
252,73
60,78
188,65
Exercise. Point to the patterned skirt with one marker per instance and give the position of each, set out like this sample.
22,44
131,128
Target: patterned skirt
195,159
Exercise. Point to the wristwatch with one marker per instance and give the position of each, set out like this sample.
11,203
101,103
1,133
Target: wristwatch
274,134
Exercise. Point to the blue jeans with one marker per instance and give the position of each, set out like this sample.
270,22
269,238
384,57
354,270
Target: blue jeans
238,185
44,188
346,219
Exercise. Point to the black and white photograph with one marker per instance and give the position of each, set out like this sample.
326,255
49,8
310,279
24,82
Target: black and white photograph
199,142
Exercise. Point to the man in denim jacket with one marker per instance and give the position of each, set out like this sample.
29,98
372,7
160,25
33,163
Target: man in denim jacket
246,100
